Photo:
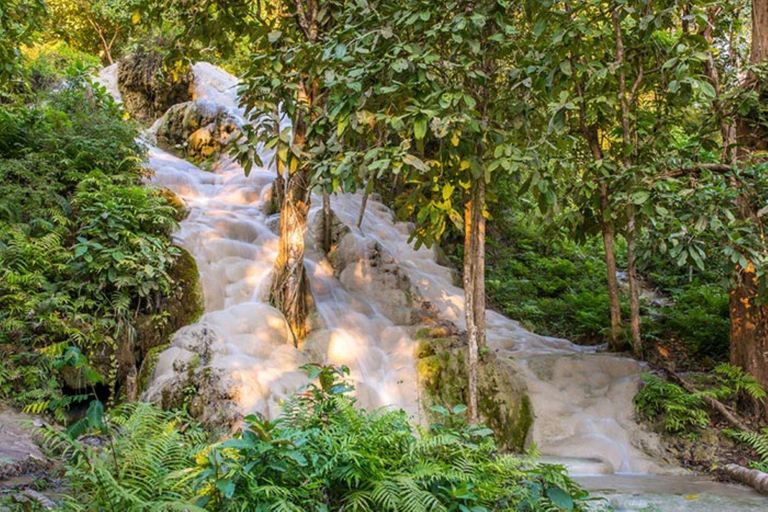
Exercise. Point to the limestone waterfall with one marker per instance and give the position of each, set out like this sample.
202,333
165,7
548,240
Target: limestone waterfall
367,290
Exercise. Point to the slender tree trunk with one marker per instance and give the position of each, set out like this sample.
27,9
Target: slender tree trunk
479,262
367,192
326,222
469,304
289,290
634,291
363,205
610,265
626,99
278,186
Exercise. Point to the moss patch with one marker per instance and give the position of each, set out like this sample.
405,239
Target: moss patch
148,366
503,403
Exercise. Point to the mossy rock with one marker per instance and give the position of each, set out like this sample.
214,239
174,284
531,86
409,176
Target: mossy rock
503,404
184,306
148,366
148,88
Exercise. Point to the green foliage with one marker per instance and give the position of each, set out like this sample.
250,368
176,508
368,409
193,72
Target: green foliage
129,460
553,286
758,441
731,381
46,64
83,244
684,412
98,27
699,318
679,410
19,19
324,453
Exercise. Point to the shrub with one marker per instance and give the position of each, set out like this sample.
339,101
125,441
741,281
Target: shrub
684,412
679,410
84,244
131,460
323,453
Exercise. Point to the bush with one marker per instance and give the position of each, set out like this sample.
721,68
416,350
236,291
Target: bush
84,245
553,287
699,318
680,411
684,412
323,453
132,460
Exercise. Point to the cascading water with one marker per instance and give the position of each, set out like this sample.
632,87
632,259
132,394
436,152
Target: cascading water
582,400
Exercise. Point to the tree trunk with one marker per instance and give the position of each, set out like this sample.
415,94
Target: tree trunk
634,289
626,100
752,477
326,222
759,50
748,314
615,342
479,263
363,205
469,281
290,286
749,328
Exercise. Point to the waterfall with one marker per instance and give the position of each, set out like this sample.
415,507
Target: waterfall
582,400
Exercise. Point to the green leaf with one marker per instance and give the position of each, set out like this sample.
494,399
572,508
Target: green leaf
560,498
420,128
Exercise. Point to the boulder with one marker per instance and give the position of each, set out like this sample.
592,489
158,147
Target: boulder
503,404
148,89
196,129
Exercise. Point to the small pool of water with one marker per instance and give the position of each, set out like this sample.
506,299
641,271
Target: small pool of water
671,493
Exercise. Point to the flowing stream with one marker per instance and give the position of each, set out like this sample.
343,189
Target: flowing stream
582,400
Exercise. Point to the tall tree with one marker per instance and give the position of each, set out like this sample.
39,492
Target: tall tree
434,86
285,76
615,76
748,304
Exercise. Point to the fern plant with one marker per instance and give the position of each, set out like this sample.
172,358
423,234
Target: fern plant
758,441
132,460
679,410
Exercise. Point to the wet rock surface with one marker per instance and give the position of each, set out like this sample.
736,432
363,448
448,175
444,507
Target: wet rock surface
19,452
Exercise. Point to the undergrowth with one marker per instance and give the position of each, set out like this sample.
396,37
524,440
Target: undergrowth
681,412
84,245
322,454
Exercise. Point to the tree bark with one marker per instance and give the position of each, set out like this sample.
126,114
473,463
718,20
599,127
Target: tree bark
469,282
479,257
615,342
625,100
290,286
634,289
748,314
759,49
749,328
752,477
326,222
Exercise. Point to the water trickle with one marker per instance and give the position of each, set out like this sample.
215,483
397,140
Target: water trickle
581,400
